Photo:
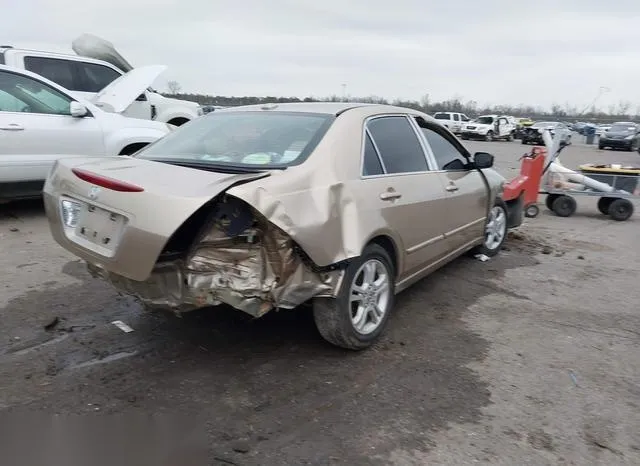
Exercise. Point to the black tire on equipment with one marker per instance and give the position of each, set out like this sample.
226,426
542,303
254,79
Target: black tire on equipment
531,211
621,209
604,203
549,201
564,206
333,315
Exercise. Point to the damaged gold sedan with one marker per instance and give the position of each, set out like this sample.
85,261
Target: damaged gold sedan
267,207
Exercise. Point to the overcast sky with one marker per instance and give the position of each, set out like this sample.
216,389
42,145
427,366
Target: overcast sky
492,51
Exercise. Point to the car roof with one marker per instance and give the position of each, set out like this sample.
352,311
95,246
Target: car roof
330,108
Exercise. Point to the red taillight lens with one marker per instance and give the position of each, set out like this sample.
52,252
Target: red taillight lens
106,182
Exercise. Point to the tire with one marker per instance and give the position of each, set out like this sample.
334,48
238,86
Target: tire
621,209
489,136
600,147
549,201
465,137
334,317
531,211
510,138
564,206
494,239
524,142
604,203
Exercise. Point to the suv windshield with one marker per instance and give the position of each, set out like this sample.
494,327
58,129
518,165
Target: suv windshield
621,128
243,139
485,120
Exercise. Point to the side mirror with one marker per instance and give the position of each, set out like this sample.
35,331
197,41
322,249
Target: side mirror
78,110
482,160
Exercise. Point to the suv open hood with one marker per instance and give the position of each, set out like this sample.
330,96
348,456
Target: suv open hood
90,46
122,92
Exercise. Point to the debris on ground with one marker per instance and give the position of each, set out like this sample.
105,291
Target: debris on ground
573,378
482,257
546,250
14,229
241,446
53,323
581,258
122,326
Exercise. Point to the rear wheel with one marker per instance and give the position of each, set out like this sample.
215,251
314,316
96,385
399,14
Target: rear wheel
489,136
358,315
510,138
564,206
465,137
621,209
600,146
604,203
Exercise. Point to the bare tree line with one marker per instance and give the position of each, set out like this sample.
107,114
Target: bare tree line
621,111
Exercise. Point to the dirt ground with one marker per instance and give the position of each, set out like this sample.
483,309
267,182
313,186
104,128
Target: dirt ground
531,358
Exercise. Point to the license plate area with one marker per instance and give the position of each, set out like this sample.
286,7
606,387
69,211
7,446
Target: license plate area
97,229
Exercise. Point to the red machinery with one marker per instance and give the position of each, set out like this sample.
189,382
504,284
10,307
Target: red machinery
527,183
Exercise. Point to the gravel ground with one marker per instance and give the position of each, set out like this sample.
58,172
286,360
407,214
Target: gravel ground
530,358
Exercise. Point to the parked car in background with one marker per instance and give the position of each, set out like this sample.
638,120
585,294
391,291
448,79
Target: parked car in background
533,134
453,121
234,188
521,124
601,129
96,65
621,135
41,122
490,127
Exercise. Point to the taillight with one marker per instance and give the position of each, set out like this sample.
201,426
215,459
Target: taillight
106,182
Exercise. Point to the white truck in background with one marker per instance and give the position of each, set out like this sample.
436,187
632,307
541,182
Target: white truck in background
453,121
95,65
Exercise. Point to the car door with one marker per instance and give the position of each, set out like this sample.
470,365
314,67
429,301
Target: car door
36,125
455,127
398,184
503,127
467,191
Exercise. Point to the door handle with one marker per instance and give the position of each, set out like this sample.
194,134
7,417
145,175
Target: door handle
452,188
390,196
12,127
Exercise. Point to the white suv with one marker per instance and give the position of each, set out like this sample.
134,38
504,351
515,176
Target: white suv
96,65
453,121
41,122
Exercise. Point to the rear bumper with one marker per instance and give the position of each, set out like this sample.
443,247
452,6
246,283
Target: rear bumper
616,143
473,135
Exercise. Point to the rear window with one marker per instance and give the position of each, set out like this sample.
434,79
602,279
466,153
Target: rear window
622,128
243,139
441,116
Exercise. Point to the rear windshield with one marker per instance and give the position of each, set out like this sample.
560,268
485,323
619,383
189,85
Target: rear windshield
441,116
243,138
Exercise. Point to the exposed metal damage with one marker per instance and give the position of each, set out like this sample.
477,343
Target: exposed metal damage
240,259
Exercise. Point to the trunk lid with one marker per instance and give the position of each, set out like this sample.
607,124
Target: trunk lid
90,46
146,220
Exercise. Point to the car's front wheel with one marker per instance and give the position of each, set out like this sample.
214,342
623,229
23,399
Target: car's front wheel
358,315
495,231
